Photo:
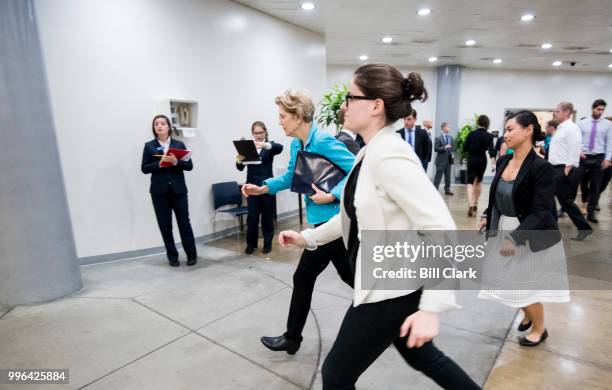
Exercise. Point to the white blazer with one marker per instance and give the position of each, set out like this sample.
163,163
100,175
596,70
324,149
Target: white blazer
393,192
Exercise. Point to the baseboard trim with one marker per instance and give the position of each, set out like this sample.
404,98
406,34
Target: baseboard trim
160,250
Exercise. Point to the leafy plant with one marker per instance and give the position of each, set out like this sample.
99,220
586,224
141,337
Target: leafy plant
461,136
330,106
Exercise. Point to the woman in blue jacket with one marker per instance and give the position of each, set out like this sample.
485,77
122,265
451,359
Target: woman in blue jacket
296,113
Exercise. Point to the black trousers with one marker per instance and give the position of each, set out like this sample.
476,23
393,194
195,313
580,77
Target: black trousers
565,191
368,329
440,170
590,169
262,205
605,179
164,204
311,264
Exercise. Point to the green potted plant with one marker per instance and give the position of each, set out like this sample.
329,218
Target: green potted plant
330,107
462,154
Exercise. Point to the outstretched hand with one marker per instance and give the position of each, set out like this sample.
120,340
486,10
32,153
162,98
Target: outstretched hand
290,238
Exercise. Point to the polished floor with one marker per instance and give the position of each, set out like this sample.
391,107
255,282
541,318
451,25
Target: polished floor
140,324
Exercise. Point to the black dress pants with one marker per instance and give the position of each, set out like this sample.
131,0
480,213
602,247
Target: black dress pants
311,264
164,204
591,172
368,329
565,191
263,205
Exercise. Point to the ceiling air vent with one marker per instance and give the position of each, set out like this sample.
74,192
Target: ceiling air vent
575,48
527,45
423,41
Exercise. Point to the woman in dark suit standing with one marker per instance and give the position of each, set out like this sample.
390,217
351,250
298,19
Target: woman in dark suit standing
168,189
527,258
477,143
265,204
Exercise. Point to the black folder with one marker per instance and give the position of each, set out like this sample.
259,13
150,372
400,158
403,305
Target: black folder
246,148
314,168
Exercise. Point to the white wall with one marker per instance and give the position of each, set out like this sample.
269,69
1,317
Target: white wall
108,61
342,74
490,92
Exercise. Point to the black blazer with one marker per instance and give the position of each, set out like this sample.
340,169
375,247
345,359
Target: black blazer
164,178
422,143
349,142
257,173
533,197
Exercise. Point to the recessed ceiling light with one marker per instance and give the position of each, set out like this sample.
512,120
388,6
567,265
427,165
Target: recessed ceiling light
610,50
527,17
546,45
307,6
470,42
432,59
387,39
363,57
497,61
424,11
557,63
610,66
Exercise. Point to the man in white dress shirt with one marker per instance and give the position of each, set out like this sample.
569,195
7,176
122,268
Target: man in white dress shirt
564,155
596,153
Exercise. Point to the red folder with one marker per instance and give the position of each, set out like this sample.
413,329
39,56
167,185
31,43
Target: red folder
181,154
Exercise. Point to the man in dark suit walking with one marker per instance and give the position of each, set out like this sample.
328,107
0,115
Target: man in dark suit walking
444,157
417,138
349,139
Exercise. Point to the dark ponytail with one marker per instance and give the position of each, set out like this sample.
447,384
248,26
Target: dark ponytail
526,118
385,82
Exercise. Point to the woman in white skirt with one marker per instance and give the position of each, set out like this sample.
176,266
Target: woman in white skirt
525,263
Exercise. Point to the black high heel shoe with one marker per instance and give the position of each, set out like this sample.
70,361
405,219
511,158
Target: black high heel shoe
525,342
523,327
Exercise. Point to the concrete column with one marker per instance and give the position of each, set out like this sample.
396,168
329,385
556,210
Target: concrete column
447,97
38,259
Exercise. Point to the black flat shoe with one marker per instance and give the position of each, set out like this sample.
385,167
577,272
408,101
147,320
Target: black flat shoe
592,218
525,342
267,249
174,263
582,234
448,193
280,343
249,250
523,327
193,261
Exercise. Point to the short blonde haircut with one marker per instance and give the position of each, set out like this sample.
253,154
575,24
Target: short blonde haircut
566,106
298,103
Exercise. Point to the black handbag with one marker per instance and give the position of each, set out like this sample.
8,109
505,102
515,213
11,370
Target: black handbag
313,168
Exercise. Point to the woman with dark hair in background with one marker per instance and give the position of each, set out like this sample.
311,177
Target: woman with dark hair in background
168,189
477,143
264,205
387,189
525,245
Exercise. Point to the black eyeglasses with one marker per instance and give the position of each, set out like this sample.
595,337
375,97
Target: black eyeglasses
349,96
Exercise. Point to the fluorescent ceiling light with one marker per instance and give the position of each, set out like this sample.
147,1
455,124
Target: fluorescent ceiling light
363,57
387,39
433,59
557,63
307,6
497,61
546,45
527,17
424,11
470,42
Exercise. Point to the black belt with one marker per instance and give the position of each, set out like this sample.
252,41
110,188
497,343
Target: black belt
597,155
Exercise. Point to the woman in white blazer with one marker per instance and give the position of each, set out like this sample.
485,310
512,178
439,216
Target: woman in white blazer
387,189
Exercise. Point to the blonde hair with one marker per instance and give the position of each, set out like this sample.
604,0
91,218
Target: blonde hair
298,103
566,106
